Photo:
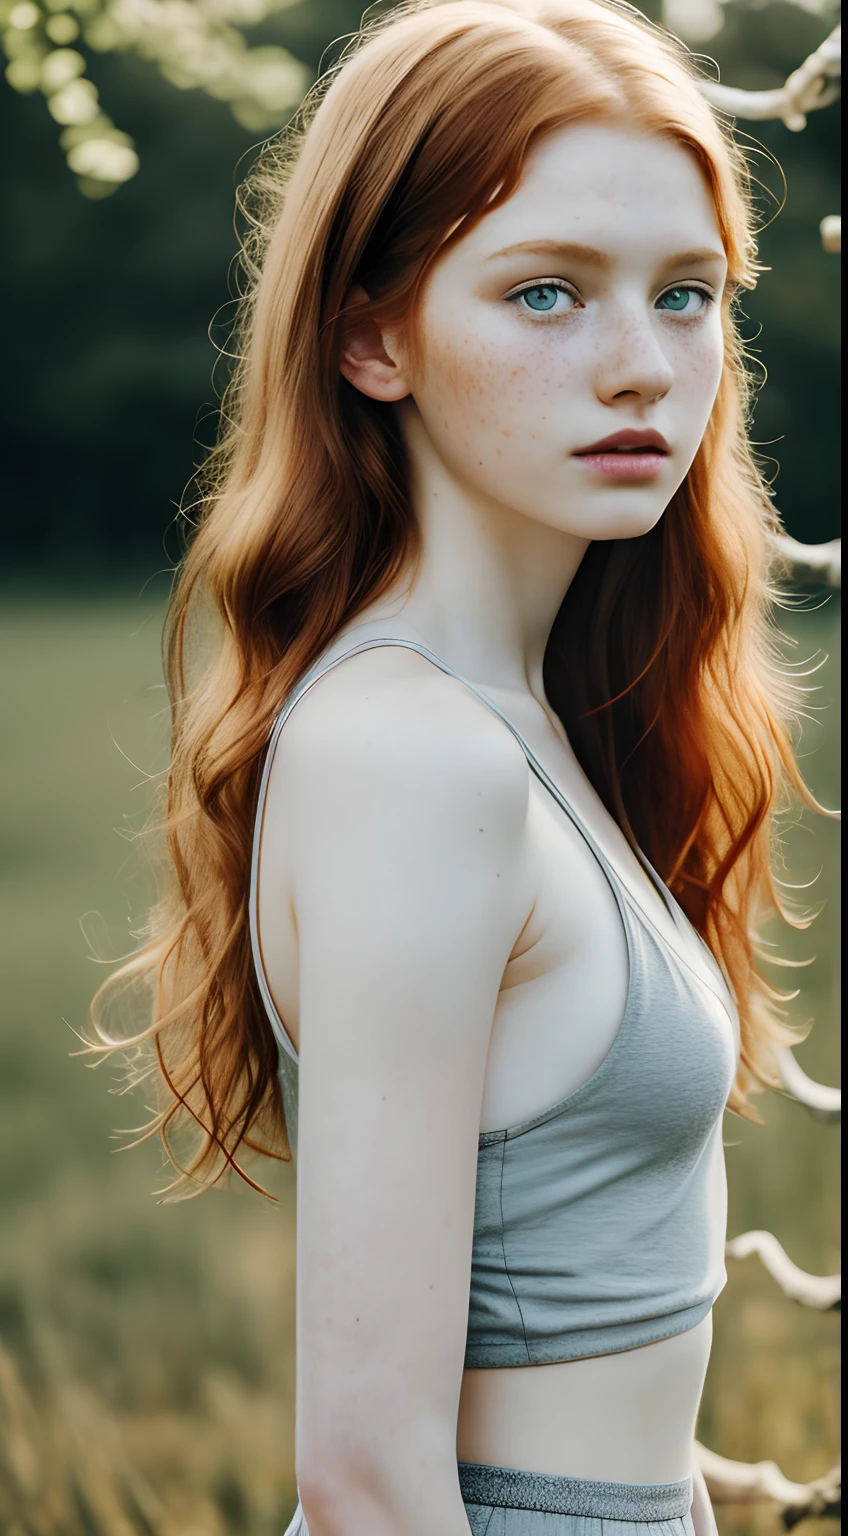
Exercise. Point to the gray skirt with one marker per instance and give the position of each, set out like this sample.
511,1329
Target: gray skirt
500,1501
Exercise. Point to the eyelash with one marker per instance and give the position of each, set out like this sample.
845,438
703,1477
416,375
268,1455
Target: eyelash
542,282
557,282
706,294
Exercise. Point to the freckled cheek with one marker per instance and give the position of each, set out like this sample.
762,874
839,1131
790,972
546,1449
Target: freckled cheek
478,386
461,385
700,364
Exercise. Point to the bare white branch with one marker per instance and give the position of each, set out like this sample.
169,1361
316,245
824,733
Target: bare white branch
814,84
830,230
822,1292
824,1103
740,1482
822,560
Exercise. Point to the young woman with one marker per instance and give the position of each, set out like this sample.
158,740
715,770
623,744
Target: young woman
470,801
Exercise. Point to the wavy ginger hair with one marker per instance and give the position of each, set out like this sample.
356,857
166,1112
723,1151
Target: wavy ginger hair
661,663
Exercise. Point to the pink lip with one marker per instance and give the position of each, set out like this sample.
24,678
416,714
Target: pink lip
629,437
610,455
624,466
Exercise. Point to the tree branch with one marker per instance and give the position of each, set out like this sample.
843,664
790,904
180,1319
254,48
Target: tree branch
814,84
824,1103
830,230
823,560
822,1292
740,1482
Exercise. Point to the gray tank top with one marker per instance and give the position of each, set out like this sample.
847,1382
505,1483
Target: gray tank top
599,1224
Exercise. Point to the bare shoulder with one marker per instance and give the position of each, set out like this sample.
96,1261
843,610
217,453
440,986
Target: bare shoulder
395,830
387,728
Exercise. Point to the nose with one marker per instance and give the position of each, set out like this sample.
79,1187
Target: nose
632,366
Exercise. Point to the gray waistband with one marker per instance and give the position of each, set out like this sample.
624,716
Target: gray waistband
506,1488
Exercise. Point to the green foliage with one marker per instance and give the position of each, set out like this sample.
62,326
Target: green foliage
193,44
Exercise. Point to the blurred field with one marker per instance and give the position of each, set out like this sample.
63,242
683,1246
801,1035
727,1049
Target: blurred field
146,1351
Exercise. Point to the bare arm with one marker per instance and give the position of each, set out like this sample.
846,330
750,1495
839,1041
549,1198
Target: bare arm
407,805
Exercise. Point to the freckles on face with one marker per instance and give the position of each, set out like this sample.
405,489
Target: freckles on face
498,391
587,304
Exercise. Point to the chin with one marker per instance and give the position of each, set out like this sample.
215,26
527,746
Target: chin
622,512
625,522
634,529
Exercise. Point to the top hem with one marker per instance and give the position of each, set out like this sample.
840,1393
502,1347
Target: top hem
592,1342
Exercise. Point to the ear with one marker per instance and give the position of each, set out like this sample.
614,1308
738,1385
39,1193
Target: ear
365,360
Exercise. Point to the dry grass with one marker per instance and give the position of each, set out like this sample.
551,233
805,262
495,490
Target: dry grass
146,1383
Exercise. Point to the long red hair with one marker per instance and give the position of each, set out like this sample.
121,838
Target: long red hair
661,663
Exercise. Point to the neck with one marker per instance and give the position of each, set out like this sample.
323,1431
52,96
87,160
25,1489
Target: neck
489,582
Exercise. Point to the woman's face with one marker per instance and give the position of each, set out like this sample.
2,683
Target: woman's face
585,307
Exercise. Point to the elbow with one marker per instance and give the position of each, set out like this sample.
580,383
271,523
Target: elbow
342,1498
323,1499
331,1477
361,1486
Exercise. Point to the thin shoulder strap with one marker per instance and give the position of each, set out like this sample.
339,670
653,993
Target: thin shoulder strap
620,892
320,669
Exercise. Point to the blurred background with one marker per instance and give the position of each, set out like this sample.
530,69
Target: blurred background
147,1350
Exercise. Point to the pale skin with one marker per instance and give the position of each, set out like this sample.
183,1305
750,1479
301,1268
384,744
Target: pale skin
444,949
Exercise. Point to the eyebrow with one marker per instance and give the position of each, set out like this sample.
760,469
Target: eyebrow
590,256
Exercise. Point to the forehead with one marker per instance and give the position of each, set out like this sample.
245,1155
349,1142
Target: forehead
605,185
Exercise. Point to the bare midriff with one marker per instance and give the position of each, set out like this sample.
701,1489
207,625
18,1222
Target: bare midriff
627,1417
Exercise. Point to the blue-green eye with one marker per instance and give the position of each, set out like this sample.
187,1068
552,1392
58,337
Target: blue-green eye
541,298
679,301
